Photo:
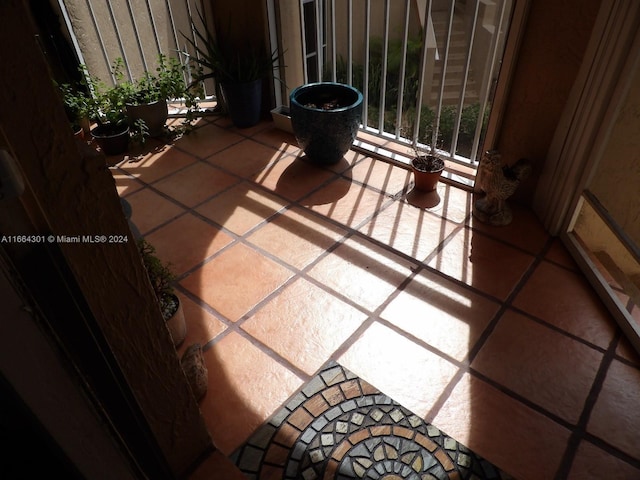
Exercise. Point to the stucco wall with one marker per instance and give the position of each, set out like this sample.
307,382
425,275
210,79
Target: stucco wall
553,46
108,30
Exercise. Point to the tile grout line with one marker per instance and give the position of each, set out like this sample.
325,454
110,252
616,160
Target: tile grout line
473,351
351,232
578,432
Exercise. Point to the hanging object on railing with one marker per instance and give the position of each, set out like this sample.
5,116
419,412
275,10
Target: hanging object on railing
499,183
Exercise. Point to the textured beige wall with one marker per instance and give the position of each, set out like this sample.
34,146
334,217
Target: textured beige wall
113,25
553,46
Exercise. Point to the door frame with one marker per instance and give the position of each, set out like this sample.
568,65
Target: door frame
612,56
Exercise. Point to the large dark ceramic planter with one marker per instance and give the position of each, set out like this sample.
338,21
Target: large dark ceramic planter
244,101
325,119
153,114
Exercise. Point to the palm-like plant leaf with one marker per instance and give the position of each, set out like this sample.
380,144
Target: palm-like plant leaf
224,66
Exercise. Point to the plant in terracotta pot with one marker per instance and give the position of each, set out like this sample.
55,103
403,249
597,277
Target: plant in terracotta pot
162,279
238,72
427,168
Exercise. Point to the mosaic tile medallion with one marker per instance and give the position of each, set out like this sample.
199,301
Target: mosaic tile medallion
338,427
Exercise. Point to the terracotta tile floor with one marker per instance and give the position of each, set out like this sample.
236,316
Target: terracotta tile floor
490,334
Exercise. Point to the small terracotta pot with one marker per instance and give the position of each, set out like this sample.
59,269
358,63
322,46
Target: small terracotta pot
426,172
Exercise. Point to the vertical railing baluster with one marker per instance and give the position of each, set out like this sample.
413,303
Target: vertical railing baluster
120,42
403,66
72,34
465,77
319,37
137,36
350,42
436,127
154,27
422,75
365,75
488,74
103,48
333,41
303,29
173,24
385,54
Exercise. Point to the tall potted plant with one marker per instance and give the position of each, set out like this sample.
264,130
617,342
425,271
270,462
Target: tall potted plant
112,130
238,72
147,97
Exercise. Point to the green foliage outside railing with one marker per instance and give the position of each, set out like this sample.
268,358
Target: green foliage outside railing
448,113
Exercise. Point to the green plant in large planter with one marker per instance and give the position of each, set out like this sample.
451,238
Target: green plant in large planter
237,72
147,97
120,109
162,279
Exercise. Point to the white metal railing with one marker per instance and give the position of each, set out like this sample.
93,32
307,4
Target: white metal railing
425,67
439,96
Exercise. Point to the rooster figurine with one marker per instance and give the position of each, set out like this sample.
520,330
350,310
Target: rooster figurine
498,182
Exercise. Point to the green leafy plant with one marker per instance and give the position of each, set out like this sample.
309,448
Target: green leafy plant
165,83
161,278
139,131
77,102
107,104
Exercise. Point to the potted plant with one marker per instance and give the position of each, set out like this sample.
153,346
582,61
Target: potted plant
147,97
325,118
107,108
77,105
427,168
238,74
162,278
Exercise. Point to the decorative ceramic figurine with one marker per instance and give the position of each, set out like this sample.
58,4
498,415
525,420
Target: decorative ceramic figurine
498,182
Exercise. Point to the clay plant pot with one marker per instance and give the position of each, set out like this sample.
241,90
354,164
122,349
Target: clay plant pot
325,118
112,140
426,172
153,114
